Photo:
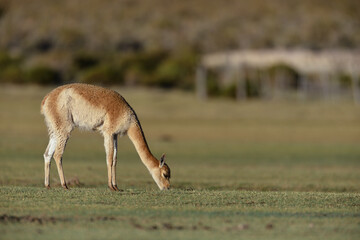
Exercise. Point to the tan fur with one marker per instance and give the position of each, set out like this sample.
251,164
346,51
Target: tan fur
95,108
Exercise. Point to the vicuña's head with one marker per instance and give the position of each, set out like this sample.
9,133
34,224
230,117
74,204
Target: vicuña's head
161,174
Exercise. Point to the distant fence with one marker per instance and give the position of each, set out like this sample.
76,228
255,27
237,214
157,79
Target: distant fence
317,72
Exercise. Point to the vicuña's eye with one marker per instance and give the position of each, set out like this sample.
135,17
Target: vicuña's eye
165,176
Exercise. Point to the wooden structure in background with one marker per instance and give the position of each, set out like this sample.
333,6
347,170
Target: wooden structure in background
325,66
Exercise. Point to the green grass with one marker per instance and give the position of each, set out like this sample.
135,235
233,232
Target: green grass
252,170
94,213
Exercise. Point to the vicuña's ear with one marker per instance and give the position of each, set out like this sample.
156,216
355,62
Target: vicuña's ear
162,160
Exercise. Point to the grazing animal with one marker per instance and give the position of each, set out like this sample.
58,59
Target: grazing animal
95,108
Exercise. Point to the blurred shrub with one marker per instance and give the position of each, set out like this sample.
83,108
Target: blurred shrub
168,74
129,45
85,60
229,91
184,64
2,11
3,8
213,87
134,75
71,38
103,74
140,67
10,70
252,88
12,74
287,72
43,45
6,60
145,62
177,70
345,80
43,75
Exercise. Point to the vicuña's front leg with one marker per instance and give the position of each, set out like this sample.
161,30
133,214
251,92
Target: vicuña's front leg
109,148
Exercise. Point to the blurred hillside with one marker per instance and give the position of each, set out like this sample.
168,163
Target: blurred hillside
158,42
118,25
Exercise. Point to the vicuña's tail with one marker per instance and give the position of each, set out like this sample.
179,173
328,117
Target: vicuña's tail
42,104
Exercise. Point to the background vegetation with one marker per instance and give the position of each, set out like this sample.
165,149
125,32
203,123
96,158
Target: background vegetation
159,43
43,26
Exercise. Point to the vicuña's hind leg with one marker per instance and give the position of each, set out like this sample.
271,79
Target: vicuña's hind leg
49,152
109,148
113,167
59,150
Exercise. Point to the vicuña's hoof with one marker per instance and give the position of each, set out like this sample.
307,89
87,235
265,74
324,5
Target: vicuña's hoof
47,187
117,189
65,187
113,188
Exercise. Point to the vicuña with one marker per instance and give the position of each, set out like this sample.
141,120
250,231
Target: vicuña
95,108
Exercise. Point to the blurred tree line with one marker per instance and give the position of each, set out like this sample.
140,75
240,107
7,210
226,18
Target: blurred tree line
159,43
155,68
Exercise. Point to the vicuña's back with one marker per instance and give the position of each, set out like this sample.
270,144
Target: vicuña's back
95,108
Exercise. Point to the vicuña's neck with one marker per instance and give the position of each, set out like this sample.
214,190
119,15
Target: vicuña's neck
137,137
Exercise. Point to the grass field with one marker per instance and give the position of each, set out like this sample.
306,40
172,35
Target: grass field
252,170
